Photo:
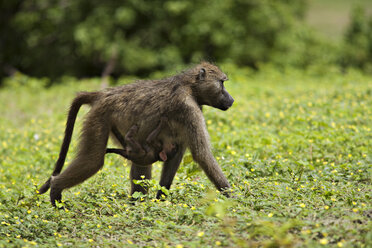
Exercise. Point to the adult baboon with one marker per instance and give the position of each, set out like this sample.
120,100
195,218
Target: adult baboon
153,150
178,98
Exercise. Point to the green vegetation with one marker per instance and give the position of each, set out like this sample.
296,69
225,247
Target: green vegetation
92,38
138,37
296,147
332,17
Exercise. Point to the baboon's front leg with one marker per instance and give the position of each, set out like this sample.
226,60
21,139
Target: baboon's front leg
198,141
170,168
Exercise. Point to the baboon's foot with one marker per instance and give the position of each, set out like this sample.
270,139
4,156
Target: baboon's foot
55,196
161,195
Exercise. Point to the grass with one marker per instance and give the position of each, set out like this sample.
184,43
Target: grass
296,146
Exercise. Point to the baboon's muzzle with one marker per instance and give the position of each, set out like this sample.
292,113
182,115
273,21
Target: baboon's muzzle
227,103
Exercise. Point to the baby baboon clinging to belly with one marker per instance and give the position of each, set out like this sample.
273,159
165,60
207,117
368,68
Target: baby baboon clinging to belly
151,151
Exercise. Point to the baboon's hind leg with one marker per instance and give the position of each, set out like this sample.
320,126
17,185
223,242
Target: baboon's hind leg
138,172
170,168
88,161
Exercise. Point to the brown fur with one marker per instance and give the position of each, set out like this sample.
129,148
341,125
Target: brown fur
179,99
150,152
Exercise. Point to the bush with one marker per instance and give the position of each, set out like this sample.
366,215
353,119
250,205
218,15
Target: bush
358,41
304,48
86,37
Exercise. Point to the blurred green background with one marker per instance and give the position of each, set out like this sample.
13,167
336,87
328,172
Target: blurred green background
85,38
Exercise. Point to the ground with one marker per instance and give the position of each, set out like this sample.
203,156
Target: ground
296,146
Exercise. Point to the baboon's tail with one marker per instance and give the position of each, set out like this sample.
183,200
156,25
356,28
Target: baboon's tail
80,99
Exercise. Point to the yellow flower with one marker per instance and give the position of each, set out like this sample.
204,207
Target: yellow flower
340,244
200,234
218,243
302,205
326,207
270,215
179,246
323,241
355,210
129,241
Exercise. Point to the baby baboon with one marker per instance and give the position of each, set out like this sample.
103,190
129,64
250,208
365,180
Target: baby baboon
178,98
150,152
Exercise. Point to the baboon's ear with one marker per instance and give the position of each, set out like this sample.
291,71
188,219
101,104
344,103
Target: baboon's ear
202,74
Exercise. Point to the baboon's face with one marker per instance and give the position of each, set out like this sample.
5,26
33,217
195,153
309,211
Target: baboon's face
211,89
